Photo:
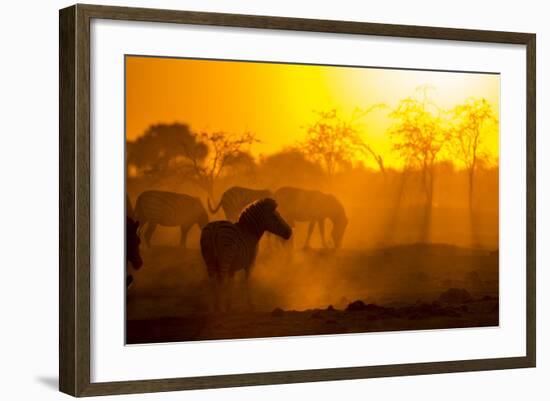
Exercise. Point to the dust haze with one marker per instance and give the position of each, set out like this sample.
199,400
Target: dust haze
389,256
420,239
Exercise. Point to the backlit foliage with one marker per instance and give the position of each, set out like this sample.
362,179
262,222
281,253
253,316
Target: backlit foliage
471,121
200,158
224,149
336,142
421,136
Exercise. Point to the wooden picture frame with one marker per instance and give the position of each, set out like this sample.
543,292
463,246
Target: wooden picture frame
74,204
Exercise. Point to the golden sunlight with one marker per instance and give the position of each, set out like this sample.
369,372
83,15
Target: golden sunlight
278,101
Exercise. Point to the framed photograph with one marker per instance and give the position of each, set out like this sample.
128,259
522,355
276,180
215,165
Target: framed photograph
251,200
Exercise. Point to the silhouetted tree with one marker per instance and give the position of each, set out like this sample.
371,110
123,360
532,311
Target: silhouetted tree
472,120
363,146
336,142
153,154
330,141
289,167
241,166
173,149
419,136
224,149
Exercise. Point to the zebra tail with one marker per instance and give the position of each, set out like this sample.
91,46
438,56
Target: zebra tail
213,211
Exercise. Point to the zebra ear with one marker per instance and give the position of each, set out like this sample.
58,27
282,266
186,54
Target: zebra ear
271,204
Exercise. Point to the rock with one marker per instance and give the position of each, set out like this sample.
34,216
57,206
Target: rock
426,311
356,306
376,308
414,316
450,312
426,308
277,312
316,315
455,296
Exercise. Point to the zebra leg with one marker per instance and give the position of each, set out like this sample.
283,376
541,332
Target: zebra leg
321,224
246,283
129,280
310,228
229,291
149,233
224,277
214,279
183,235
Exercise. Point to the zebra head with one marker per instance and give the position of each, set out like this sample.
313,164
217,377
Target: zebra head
132,243
262,216
338,229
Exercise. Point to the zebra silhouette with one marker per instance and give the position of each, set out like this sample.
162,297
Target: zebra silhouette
229,247
133,256
169,209
302,205
129,207
235,199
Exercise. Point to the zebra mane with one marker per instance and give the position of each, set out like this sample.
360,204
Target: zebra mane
253,215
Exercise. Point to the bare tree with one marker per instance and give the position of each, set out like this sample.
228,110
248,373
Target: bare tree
364,147
419,136
472,120
329,141
173,150
223,149
334,141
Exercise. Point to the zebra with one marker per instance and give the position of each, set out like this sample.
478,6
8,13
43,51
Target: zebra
235,199
133,256
228,247
169,209
129,207
303,205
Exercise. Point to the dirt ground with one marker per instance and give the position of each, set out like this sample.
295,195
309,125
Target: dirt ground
309,292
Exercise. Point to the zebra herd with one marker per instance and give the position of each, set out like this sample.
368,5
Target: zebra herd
230,245
154,208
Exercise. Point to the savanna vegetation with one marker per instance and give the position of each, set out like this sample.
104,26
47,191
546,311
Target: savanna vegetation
444,187
417,179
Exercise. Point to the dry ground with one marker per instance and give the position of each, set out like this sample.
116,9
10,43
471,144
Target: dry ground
400,288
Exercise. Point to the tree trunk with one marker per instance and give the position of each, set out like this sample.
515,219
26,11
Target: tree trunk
474,238
427,215
471,189
391,226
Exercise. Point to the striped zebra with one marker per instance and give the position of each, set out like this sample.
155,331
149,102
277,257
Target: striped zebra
169,209
229,247
235,199
301,205
133,256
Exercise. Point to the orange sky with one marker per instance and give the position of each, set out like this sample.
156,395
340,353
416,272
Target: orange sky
275,101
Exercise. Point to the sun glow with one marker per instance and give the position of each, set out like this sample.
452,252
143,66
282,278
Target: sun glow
278,101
